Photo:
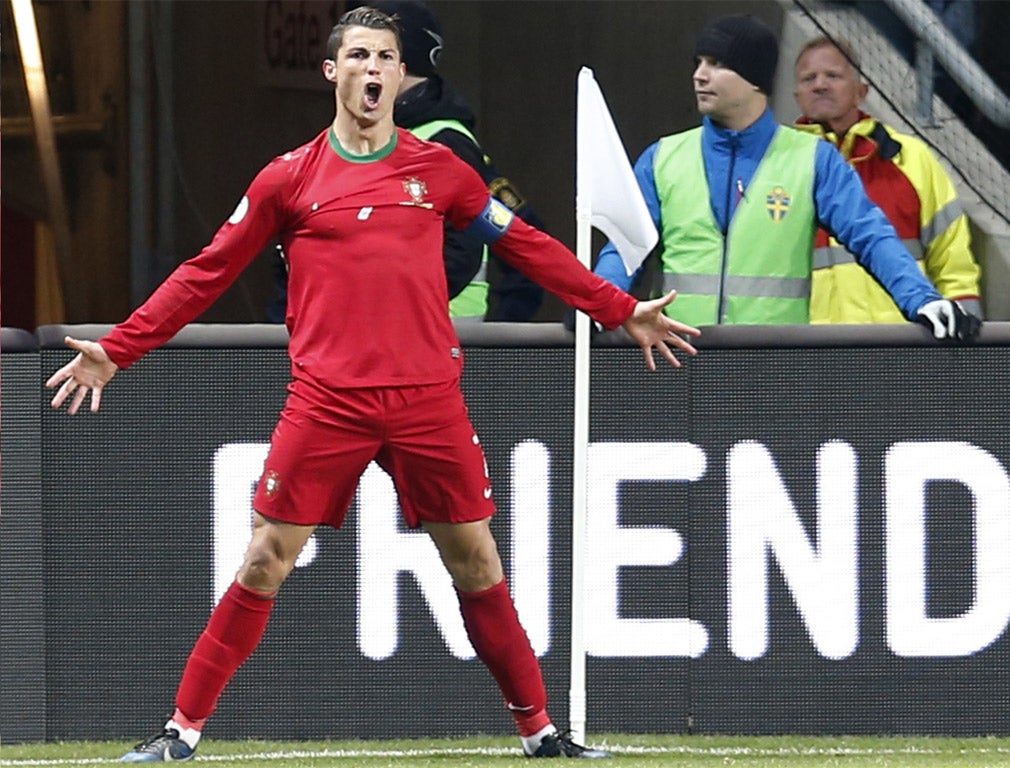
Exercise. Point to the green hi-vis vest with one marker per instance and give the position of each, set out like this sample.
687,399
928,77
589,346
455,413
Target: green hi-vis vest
472,300
760,272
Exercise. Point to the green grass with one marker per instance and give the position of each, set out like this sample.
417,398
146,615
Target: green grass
640,751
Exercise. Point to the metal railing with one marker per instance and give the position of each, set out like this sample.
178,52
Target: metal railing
934,40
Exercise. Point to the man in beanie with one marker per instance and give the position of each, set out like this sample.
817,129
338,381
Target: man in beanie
738,200
431,110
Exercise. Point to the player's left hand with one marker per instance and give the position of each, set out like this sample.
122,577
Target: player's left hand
649,327
949,321
89,371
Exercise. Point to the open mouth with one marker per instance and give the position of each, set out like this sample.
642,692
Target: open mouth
372,93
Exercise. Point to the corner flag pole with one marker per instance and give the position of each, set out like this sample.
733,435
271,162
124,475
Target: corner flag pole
580,456
608,197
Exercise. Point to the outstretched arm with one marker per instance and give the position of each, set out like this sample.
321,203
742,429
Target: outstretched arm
650,327
858,224
90,371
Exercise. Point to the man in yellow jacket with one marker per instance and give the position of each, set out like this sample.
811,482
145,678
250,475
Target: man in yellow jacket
901,175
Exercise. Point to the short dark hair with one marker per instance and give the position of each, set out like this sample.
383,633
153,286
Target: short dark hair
362,17
420,34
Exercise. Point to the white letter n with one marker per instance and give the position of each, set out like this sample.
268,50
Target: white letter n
822,577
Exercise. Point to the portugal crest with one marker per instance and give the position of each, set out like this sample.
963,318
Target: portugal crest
417,189
271,483
777,203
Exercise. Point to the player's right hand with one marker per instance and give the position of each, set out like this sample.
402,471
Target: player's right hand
88,372
651,328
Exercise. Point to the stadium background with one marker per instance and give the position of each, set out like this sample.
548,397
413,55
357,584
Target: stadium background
187,100
105,572
105,552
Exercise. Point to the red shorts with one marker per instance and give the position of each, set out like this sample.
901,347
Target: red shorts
421,436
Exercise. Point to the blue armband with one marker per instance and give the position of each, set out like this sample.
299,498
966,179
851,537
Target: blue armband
493,222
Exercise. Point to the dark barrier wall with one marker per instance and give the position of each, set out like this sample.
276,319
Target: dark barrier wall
22,591
808,537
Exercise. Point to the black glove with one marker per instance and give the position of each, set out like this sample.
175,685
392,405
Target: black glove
948,321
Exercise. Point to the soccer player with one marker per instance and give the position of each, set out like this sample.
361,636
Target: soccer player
375,366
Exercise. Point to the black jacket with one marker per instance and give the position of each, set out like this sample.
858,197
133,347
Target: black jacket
514,297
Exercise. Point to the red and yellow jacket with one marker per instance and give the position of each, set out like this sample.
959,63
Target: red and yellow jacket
905,179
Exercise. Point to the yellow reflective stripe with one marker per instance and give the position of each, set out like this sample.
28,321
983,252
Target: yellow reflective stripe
828,256
942,220
740,285
426,130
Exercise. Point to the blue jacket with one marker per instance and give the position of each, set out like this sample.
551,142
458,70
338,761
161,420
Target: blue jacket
732,157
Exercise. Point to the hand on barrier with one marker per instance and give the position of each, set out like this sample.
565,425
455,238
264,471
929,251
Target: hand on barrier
949,321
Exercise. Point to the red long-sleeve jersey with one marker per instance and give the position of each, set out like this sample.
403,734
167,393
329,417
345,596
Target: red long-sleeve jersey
367,300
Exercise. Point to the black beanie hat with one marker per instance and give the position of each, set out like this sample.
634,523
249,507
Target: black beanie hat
745,45
420,34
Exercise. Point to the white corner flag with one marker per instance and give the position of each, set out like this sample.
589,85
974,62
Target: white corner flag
606,197
605,185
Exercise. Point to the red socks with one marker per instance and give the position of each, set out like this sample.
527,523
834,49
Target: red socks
234,630
492,624
493,627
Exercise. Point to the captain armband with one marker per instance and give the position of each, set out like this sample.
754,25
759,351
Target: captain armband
493,222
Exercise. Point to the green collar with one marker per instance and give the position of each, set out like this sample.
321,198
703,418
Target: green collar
379,154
